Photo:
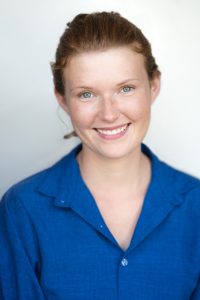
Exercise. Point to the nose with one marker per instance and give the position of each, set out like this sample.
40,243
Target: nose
109,110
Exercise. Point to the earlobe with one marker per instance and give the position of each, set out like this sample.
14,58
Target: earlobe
61,100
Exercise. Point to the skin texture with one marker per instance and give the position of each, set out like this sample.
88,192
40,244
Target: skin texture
105,90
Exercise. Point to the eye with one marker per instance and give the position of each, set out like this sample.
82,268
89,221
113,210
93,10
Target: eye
127,89
86,95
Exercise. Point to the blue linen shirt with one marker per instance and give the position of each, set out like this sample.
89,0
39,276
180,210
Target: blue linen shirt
55,245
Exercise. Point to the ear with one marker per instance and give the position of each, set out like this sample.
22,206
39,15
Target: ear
155,87
61,100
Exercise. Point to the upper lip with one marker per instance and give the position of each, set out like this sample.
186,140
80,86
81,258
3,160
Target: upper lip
112,128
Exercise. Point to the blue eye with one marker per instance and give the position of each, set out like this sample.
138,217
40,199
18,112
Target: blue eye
86,95
126,89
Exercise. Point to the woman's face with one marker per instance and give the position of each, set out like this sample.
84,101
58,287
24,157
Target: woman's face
108,97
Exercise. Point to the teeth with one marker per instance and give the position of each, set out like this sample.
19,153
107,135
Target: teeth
114,131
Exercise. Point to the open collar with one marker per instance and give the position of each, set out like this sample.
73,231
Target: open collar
63,182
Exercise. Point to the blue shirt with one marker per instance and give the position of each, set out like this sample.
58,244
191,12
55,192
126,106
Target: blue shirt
55,245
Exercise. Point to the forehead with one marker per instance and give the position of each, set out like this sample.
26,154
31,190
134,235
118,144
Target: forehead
107,64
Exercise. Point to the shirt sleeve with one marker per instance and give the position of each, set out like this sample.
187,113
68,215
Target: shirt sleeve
19,263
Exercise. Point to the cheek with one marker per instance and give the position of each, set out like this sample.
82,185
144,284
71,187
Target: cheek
139,109
81,117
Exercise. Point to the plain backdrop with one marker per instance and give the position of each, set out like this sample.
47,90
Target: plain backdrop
31,131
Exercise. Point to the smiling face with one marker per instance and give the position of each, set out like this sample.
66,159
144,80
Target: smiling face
108,96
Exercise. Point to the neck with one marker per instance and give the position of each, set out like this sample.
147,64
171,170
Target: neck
130,174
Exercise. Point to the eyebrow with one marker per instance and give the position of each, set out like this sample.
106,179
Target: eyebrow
127,80
81,87
118,84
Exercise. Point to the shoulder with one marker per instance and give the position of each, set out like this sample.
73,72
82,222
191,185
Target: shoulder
181,181
174,183
41,186
183,186
170,175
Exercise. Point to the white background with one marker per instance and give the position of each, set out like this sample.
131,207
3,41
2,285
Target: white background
30,130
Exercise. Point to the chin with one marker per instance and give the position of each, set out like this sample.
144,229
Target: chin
117,152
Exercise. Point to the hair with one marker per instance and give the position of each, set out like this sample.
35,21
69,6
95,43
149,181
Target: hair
99,31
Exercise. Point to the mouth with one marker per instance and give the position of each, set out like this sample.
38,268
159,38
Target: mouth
114,132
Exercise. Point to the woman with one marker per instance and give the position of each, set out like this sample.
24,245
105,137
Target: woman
109,220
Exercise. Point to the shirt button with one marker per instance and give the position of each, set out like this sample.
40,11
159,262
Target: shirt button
124,262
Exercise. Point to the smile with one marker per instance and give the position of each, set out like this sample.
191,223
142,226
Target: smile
114,132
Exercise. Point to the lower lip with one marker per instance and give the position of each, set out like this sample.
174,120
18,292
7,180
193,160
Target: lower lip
113,136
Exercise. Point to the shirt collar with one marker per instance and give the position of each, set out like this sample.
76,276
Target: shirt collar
63,180
60,180
64,183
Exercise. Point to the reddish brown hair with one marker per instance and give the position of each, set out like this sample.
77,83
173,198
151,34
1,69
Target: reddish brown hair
99,31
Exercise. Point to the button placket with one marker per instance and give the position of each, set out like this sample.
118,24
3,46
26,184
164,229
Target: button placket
124,262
